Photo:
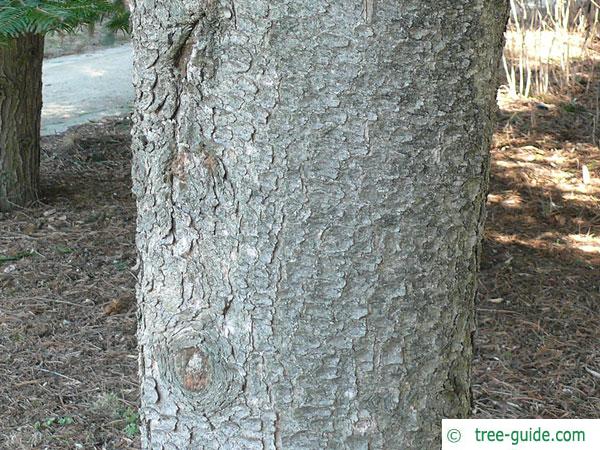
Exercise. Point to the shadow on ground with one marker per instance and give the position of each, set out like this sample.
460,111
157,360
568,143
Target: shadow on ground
67,322
537,352
68,359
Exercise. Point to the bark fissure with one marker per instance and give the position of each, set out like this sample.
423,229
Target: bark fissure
368,10
184,49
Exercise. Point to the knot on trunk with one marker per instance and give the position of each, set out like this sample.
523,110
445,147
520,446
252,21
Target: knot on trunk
199,370
193,369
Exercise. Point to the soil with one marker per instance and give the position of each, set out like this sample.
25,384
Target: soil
537,344
68,357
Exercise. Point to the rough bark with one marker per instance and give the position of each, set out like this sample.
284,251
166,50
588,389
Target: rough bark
310,178
20,115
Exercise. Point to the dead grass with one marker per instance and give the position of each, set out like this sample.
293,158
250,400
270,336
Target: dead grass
549,47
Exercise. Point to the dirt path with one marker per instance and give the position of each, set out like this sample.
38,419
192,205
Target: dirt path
80,88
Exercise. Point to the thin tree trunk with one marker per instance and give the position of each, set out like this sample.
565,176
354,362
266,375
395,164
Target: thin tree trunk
20,115
310,179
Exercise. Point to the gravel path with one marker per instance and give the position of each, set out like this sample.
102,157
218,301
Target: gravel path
80,88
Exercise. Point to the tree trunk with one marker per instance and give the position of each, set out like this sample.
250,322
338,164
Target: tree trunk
20,115
310,179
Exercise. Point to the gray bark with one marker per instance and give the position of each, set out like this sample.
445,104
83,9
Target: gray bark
20,115
310,179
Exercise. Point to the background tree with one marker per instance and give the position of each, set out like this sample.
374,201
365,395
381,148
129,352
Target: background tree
310,178
23,25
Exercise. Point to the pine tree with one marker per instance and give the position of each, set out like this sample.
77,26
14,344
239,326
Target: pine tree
23,25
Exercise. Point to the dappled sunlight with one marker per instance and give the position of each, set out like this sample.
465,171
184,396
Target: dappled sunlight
580,191
545,199
539,169
539,272
510,104
583,197
552,241
586,243
507,200
538,298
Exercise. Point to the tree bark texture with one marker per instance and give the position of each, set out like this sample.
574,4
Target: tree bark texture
20,115
310,178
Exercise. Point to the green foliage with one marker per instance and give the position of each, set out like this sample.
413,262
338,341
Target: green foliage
132,419
64,249
16,257
119,18
120,265
54,421
42,16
